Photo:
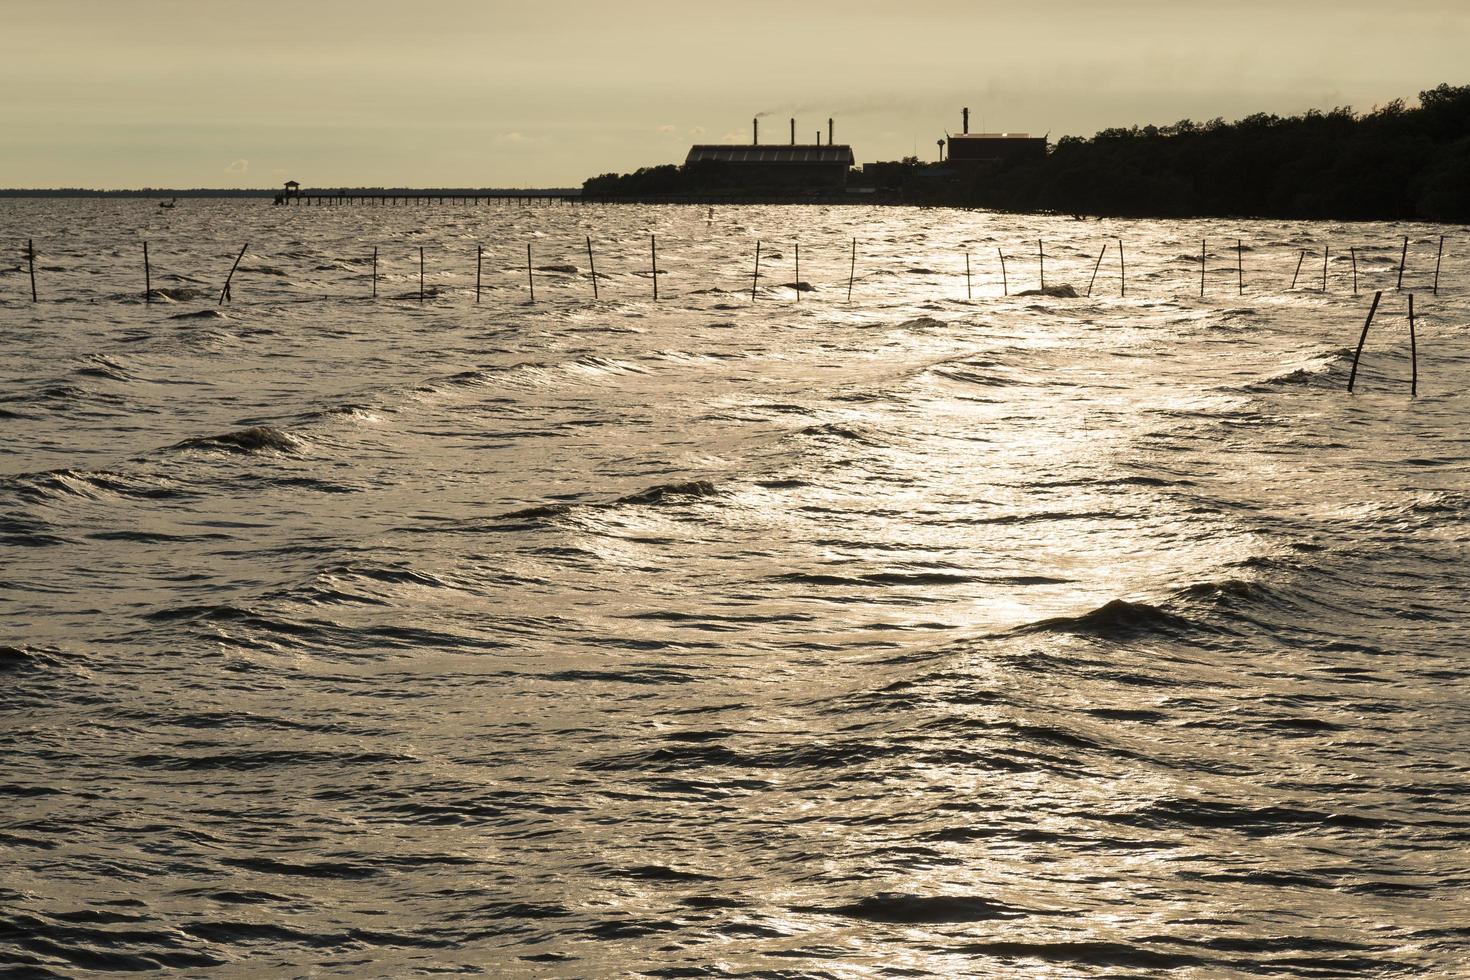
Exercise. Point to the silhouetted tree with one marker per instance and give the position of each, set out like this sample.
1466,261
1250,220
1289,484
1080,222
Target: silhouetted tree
1394,162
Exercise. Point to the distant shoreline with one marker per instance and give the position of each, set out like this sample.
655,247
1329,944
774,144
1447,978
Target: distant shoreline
1394,163
269,194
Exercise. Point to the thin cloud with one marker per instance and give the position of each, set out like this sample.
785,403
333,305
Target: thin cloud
238,167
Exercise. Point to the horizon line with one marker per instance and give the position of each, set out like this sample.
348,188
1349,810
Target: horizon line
329,191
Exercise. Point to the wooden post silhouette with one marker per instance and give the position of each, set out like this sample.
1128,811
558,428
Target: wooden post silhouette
1438,256
1239,268
1325,250
1299,260
1041,258
852,270
147,277
797,285
968,295
756,276
31,258
421,273
1353,251
1201,268
1004,284
1353,376
1122,271
1413,353
224,294
530,279
653,251
375,272
1097,265
592,266
1403,260
479,262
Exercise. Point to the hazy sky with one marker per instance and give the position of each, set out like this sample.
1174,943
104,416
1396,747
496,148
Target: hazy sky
227,93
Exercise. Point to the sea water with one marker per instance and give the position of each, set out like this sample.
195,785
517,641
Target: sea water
932,631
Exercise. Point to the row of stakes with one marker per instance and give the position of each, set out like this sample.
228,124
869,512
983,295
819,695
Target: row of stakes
224,296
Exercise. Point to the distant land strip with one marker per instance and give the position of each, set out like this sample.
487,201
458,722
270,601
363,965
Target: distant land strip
270,193
1396,162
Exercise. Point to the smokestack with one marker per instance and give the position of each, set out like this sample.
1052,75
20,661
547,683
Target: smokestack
829,131
793,132
755,131
967,121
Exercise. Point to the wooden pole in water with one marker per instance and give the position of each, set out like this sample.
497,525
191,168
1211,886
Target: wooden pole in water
1353,251
1403,259
1299,260
1004,283
1041,258
375,272
147,277
224,294
421,273
1201,268
31,258
653,251
1097,265
968,294
592,266
1413,353
1239,268
479,262
1326,250
797,285
1438,256
755,277
530,279
1122,271
1353,376
852,270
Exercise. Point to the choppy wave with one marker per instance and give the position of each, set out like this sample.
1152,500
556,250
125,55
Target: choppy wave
657,494
252,440
1118,619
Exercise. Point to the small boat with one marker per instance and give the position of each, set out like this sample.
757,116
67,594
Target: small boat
168,204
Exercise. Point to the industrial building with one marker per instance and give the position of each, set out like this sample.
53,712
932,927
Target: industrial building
967,149
790,166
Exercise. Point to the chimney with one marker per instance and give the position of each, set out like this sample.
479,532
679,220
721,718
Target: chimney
967,121
793,132
755,130
829,131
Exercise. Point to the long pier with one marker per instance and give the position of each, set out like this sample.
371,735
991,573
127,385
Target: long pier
350,198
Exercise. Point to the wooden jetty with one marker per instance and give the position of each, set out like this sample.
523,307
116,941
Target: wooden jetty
324,199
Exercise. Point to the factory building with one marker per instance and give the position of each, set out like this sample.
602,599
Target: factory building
778,165
994,150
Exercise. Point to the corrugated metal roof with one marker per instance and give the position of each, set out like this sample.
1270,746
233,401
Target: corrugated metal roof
839,154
